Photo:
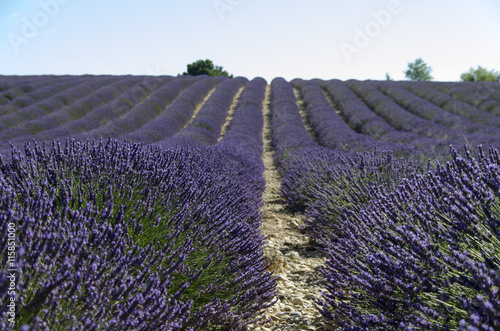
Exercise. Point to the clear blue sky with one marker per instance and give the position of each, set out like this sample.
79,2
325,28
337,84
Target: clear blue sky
283,38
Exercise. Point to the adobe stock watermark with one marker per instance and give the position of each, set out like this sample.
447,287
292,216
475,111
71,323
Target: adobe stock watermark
223,6
31,26
11,273
364,36
154,79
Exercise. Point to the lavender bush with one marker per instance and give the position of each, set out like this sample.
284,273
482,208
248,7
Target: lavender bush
421,256
117,236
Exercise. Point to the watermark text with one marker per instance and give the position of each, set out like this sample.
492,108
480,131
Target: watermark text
31,26
223,6
364,36
11,272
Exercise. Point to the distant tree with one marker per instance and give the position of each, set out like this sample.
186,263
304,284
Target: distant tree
205,67
388,77
418,70
480,75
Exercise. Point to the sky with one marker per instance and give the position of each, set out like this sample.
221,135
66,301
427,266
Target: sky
343,39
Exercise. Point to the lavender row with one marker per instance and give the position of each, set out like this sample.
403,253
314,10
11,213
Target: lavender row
330,129
453,105
177,115
460,92
287,128
401,119
429,111
398,117
143,112
243,136
37,95
103,114
45,126
117,236
51,104
70,112
489,90
26,84
22,86
244,132
205,128
363,120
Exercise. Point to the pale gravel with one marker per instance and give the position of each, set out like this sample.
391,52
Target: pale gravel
295,260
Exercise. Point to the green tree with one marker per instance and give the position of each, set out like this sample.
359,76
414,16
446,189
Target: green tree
205,67
418,70
388,77
480,75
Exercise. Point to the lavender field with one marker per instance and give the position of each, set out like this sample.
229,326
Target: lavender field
136,202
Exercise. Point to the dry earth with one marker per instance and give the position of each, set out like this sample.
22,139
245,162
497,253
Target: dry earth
230,112
294,259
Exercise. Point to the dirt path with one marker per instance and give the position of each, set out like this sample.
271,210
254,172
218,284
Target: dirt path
295,261
332,103
230,112
198,107
303,114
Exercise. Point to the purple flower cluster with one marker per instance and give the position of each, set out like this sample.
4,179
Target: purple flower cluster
315,172
114,236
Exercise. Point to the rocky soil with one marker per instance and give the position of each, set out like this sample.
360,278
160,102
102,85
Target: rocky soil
294,259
